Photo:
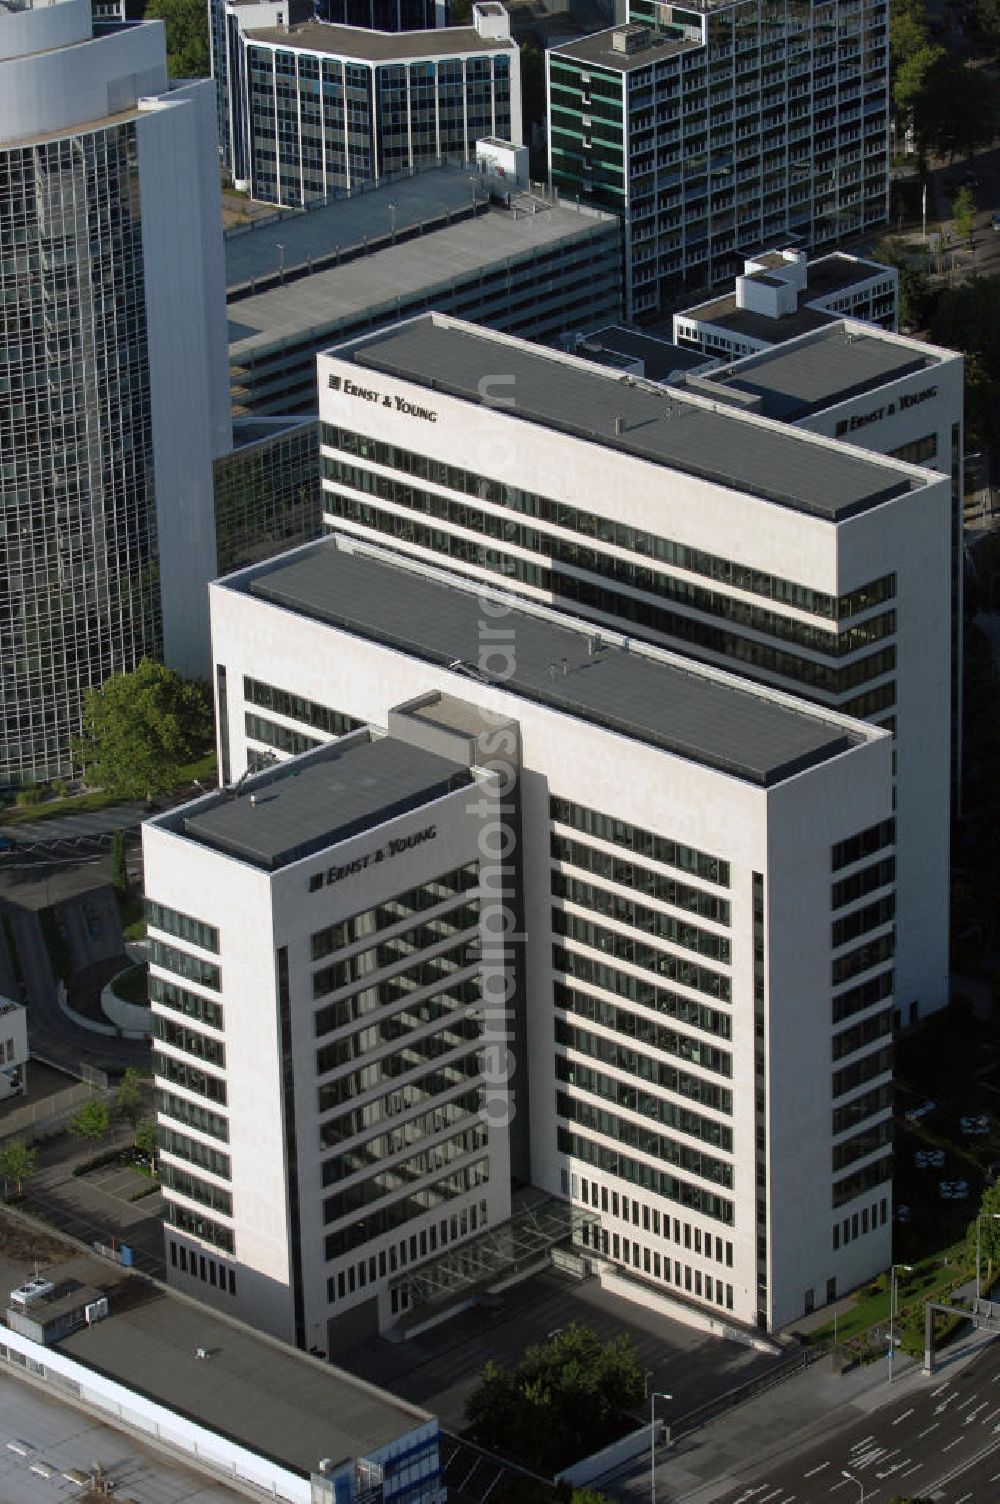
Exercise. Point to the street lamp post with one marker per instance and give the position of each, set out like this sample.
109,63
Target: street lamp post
656,1395
851,1478
979,1224
892,1310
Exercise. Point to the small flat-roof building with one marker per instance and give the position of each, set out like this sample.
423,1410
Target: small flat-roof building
309,109
233,1400
781,295
438,239
666,829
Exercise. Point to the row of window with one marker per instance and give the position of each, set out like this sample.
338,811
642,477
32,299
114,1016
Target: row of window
685,1010
625,910
640,1100
403,1136
378,1223
383,995
631,1135
856,1226
187,1219
191,1004
208,1270
640,879
638,953
869,879
642,842
472,1139
419,1245
861,921
190,1077
191,1041
430,932
643,1067
855,848
862,1181
858,1036
282,738
867,956
191,1114
589,524
850,1077
397,1027
384,915
182,964
387,1068
864,995
862,1144
203,1191
620,1166
642,1029
182,926
194,1151
401,1099
297,708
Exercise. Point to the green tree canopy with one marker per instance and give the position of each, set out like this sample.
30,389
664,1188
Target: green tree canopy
963,213
566,1399
145,1139
187,36
989,1235
953,108
17,1161
129,1102
92,1120
140,729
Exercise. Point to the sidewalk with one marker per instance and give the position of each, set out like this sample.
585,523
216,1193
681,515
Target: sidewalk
766,1431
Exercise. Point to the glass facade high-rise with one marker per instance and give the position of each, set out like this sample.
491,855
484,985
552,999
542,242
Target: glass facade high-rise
715,128
108,425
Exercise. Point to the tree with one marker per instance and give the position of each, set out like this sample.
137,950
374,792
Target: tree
145,1140
129,1103
92,1120
963,213
984,18
953,108
989,1235
186,22
139,730
17,1161
119,872
565,1399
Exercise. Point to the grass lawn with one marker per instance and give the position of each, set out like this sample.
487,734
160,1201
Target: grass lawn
928,1279
74,804
132,986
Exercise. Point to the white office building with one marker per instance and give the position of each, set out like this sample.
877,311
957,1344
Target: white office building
14,1052
781,294
681,518
700,1059
318,943
113,381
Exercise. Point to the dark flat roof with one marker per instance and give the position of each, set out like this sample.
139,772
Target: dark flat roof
725,313
312,803
837,272
261,1394
683,709
380,46
660,357
797,379
665,428
598,48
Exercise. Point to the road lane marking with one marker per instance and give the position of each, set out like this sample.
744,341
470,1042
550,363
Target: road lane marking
900,1418
862,1443
956,1443
973,1413
940,1389
965,1403
922,1434
814,1470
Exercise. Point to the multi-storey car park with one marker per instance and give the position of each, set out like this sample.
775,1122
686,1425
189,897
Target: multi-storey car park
311,109
713,127
679,517
702,877
534,266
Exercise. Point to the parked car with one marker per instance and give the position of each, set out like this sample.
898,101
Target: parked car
995,222
902,1213
954,1190
970,180
975,1127
914,1114
933,1158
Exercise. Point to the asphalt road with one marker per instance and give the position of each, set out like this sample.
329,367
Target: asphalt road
941,1441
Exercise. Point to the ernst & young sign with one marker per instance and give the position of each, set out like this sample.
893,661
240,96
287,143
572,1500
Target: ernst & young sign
384,399
384,853
889,410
